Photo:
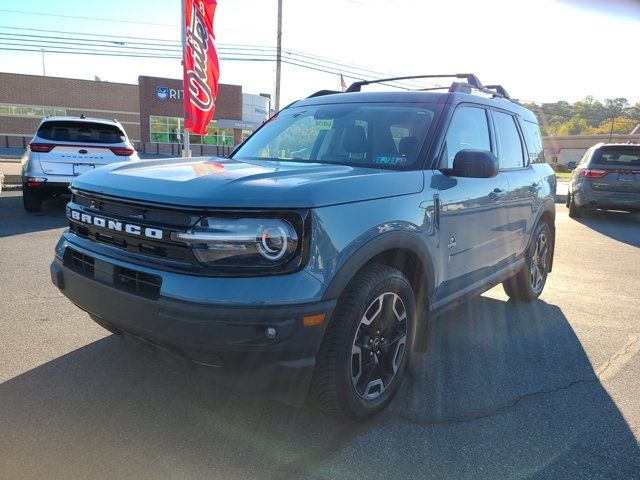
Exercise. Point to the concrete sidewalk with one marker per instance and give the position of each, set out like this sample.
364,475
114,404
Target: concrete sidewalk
562,191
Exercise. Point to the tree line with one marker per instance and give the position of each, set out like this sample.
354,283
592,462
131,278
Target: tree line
585,117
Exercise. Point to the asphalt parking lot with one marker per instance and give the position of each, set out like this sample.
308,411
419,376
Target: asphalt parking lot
545,390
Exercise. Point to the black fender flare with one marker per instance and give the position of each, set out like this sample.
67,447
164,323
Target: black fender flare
380,244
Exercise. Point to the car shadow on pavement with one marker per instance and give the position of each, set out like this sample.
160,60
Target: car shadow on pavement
15,221
505,391
621,226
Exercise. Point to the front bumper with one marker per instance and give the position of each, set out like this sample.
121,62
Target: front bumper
212,334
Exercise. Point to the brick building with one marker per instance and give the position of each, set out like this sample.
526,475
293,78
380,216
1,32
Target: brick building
151,112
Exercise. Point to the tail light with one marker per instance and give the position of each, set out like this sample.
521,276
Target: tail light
594,173
35,181
41,147
122,151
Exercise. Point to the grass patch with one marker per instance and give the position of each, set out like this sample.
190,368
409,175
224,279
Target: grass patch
563,175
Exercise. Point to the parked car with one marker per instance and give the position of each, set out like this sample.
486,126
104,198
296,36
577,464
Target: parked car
607,178
323,267
65,147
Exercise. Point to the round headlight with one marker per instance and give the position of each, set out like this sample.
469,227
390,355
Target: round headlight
272,243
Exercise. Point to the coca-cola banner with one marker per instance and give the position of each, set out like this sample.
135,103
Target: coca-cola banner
200,65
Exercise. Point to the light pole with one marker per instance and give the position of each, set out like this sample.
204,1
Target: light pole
44,72
278,57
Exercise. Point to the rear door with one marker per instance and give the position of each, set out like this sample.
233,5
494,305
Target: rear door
525,186
473,215
69,147
615,168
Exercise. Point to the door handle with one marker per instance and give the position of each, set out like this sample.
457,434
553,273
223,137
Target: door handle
497,194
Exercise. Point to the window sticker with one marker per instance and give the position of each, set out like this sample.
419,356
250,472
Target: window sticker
399,161
324,124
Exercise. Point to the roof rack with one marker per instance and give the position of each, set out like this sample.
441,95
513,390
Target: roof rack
498,88
470,77
472,83
320,93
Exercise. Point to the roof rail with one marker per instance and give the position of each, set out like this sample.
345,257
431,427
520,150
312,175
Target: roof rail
470,77
498,88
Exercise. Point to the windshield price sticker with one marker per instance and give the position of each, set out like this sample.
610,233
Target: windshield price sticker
324,124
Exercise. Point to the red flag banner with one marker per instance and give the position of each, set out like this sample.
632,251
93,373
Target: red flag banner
201,68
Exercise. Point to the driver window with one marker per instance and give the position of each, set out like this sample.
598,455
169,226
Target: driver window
468,129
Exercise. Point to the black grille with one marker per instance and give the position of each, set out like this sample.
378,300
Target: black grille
126,210
80,263
155,217
138,283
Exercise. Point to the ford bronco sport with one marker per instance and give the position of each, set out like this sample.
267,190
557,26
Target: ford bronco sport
315,255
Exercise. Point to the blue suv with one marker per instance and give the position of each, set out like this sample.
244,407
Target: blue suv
316,254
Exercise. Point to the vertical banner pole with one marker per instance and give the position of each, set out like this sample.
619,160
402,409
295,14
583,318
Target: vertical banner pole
185,143
278,56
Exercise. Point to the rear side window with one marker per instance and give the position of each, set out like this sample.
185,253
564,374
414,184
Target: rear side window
80,132
533,139
469,129
618,156
511,154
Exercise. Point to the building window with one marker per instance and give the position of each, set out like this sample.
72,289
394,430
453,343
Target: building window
169,130
30,110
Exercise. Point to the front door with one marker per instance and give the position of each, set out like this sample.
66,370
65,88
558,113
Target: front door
473,216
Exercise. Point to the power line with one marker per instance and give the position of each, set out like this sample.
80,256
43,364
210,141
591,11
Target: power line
22,12
365,72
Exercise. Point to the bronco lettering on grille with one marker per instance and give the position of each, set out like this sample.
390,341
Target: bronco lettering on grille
115,225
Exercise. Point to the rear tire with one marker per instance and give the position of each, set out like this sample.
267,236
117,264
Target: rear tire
528,283
359,371
574,210
31,200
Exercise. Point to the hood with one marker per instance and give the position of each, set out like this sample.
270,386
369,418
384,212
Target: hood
217,182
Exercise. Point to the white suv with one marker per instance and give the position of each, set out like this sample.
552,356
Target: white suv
65,147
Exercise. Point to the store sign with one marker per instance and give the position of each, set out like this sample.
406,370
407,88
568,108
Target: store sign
166,93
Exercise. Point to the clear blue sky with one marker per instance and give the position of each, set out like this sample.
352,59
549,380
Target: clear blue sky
542,50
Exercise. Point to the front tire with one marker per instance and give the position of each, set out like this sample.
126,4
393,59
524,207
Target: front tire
528,283
32,201
364,354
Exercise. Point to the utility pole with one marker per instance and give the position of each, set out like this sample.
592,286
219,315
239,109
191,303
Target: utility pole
44,72
613,119
278,57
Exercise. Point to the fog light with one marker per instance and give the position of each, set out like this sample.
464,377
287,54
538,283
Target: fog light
270,333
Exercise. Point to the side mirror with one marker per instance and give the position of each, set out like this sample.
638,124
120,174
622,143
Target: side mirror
474,164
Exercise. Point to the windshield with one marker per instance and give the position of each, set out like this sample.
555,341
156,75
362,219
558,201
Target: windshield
628,156
370,135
